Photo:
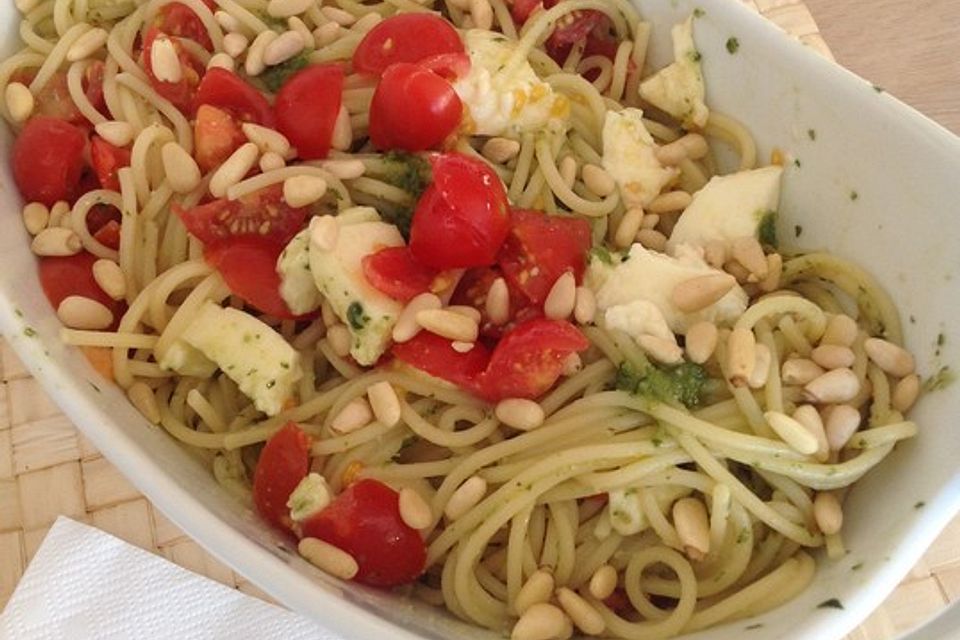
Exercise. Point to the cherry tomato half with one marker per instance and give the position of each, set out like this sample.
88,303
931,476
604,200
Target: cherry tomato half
395,272
365,522
283,463
107,161
61,277
48,160
405,37
434,355
216,135
248,266
262,214
181,93
307,106
229,92
461,220
413,109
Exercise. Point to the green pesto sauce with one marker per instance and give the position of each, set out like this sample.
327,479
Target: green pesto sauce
356,316
680,384
767,230
940,380
276,76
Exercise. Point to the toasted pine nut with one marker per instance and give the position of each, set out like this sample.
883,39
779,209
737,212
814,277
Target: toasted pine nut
109,277
366,22
482,14
892,358
338,15
741,355
254,64
164,61
287,8
345,169
87,44
500,150
581,612
327,33
693,527
234,169
792,432
597,180
407,326
800,371
462,347
585,306
303,190
520,413
652,239
568,170
342,130
692,145
414,510
669,202
117,132
562,297
59,211
774,273
833,356
181,169
271,161
629,226
355,415
79,312
671,154
384,403
538,588
296,24
761,367
226,21
235,44
35,217
827,512
841,330
572,365
748,252
542,621
338,336
266,139
465,497
25,6
841,423
603,582
56,241
448,324
221,60
838,385
809,417
701,341
328,558
905,393
142,398
497,303
20,101
715,253
660,349
650,221
701,292
285,46
464,310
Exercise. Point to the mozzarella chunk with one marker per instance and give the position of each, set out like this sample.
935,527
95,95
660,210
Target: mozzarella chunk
187,361
309,498
505,101
678,88
629,157
297,286
638,318
626,513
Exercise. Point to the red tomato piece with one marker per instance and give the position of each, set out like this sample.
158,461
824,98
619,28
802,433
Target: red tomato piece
461,220
179,20
307,106
394,271
448,66
101,215
413,109
249,267
405,37
365,522
216,135
262,214
48,160
109,235
529,359
231,93
61,277
434,355
283,463
107,161
521,9
540,248
180,93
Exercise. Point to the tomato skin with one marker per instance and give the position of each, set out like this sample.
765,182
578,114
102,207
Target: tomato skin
405,37
229,92
216,136
179,20
48,160
431,110
472,291
109,235
365,522
461,220
65,276
181,93
107,161
224,220
393,271
283,463
435,355
307,106
249,267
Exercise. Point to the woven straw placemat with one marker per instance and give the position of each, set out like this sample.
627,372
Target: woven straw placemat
47,468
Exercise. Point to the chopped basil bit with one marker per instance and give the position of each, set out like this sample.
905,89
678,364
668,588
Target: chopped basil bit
920,505
276,76
680,384
767,230
832,603
699,13
695,56
753,627
797,230
940,380
602,254
356,317
878,88
18,312
812,134
733,45
30,332
797,163
95,387
857,567
854,196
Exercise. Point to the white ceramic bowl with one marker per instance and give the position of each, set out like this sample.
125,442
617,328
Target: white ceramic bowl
903,226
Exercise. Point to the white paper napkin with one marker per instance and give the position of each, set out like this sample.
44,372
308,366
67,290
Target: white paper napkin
86,584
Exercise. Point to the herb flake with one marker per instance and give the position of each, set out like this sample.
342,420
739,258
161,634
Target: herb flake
940,380
733,45
832,603
812,134
680,384
357,318
767,229
276,76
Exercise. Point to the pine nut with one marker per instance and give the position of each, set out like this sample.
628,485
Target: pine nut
562,297
56,241
287,8
342,130
800,371
282,48
497,303
25,6
117,132
234,169
407,326
627,229
692,145
774,273
142,398
341,17
328,558
537,589
366,22
809,417
670,202
384,403
465,497
833,356
715,253
585,306
221,61
79,312
568,170
838,385
701,292
482,14
235,44
164,61
338,336
892,358
748,252
326,34
20,101
226,21
345,169
827,512
58,211
414,510
462,347
541,621
660,349
696,145
597,180
87,44
301,191
672,154
652,239
792,432
181,169
448,324
466,311
254,64
841,330
271,161
35,217
841,423
701,341
580,612
520,413
761,367
603,582
650,221
355,415
500,150
572,365
741,355
296,24
328,315
109,277
693,527
905,393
